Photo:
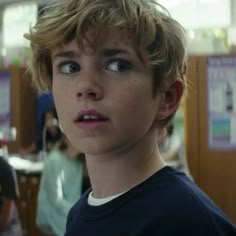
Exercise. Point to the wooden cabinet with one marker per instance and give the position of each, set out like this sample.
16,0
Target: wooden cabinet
23,116
213,169
27,203
23,108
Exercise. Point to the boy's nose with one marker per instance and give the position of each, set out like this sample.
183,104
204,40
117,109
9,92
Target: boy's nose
89,88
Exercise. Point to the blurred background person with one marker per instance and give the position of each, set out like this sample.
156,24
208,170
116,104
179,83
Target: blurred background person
58,190
9,220
53,134
172,149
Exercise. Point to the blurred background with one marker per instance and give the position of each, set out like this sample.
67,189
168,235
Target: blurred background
205,122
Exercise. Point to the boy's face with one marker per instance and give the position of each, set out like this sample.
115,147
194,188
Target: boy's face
104,98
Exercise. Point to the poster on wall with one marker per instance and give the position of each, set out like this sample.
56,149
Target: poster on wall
5,118
221,77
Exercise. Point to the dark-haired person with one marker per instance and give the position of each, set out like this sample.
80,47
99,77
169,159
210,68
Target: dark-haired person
9,220
53,134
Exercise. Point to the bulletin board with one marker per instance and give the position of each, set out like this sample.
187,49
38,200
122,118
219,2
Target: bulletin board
221,82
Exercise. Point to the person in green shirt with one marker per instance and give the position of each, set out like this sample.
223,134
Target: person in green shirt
57,194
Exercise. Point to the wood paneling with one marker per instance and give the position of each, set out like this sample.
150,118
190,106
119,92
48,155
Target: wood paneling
217,168
213,170
23,109
191,119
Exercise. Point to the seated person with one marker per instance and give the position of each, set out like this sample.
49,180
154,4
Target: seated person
58,190
53,135
172,149
9,220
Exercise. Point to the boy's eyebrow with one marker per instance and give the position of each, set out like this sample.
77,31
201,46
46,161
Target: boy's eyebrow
108,52
68,54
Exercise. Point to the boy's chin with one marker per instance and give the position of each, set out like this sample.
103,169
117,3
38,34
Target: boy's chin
94,148
103,151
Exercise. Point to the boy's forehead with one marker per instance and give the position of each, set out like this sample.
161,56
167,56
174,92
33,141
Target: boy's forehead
106,39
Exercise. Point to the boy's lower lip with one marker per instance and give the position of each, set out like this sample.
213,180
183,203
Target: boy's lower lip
91,124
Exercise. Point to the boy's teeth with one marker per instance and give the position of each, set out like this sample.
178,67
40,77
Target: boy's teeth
90,117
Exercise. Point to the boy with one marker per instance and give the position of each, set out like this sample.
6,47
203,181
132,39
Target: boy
116,69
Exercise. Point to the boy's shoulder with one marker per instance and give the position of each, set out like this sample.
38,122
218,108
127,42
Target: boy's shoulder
167,196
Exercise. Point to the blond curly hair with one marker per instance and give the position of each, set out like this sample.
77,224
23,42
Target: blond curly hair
149,26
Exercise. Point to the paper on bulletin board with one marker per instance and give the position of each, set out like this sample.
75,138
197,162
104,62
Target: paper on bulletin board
5,121
221,73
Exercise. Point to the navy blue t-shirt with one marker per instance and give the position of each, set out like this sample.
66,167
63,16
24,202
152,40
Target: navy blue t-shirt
166,204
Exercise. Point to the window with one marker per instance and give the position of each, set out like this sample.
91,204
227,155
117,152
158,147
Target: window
194,14
17,18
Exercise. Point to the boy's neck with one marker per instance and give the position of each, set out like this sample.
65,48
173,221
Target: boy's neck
116,174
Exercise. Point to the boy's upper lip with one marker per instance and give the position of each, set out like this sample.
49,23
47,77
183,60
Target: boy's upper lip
90,112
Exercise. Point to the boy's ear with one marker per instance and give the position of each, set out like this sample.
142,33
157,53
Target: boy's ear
170,99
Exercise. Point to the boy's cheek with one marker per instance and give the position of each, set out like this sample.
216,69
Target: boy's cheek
60,101
57,92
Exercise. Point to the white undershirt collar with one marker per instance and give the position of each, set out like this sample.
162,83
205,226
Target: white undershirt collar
92,201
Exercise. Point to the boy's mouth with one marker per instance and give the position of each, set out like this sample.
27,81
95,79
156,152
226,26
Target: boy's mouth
90,116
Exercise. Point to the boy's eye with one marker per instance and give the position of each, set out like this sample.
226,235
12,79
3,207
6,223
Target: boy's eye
118,65
69,67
